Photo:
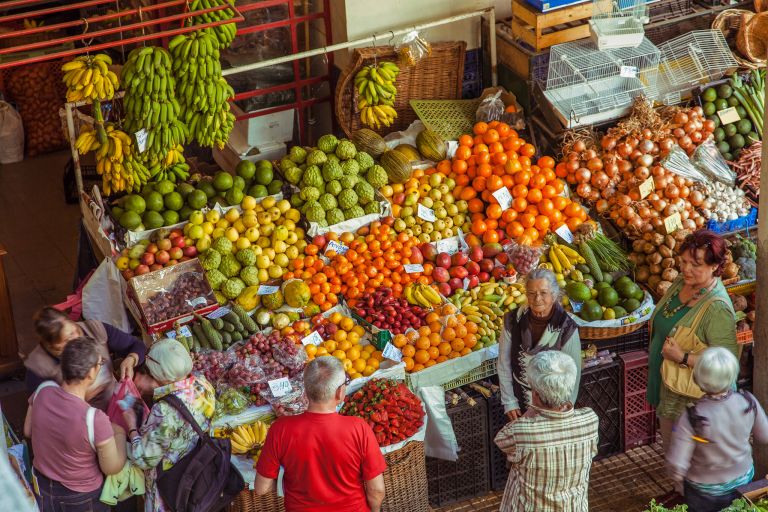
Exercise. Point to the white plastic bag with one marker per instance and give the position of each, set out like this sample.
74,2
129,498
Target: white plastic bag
440,440
103,297
11,135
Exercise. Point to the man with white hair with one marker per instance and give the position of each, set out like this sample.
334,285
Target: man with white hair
331,462
552,445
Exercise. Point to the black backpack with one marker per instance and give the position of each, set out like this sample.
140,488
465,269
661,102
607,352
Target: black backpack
204,480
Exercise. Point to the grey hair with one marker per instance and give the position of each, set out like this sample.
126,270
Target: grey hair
552,376
544,275
716,370
77,359
322,377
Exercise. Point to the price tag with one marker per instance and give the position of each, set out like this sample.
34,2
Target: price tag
339,248
314,338
647,187
223,310
465,283
628,71
565,233
575,306
729,115
448,245
673,223
280,387
428,214
141,140
504,198
413,268
453,145
185,331
267,290
197,301
392,353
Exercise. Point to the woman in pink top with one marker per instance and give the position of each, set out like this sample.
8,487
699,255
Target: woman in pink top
74,444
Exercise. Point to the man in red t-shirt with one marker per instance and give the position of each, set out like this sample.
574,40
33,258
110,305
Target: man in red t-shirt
330,462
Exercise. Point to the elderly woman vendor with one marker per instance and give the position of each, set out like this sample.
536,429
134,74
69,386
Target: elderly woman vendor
542,325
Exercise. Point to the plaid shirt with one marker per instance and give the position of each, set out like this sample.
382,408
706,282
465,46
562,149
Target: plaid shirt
551,454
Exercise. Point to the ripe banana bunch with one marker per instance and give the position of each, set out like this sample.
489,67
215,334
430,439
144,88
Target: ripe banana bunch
89,78
30,24
173,168
223,33
202,92
562,259
150,102
376,88
486,305
422,295
114,159
246,438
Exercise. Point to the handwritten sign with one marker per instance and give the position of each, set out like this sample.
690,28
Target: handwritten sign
428,214
628,71
337,247
314,338
141,140
413,268
392,353
729,115
267,290
223,310
673,223
280,387
504,198
647,187
448,245
564,232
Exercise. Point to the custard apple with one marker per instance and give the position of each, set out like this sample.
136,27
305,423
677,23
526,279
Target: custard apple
246,257
297,154
354,212
372,207
377,177
347,199
364,192
210,259
222,245
316,157
350,167
346,150
220,298
315,212
230,267
293,174
328,202
332,171
232,287
286,163
327,143
215,278
333,187
312,177
364,160
334,216
310,194
323,223
250,276
334,158
349,181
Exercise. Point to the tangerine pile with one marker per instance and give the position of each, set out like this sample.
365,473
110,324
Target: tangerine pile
436,342
496,157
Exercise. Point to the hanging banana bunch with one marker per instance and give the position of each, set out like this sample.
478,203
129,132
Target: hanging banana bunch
89,78
376,86
173,168
115,162
225,33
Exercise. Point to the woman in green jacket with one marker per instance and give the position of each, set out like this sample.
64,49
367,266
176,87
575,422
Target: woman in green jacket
697,289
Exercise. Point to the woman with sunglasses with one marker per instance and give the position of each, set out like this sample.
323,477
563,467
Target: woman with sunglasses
698,297
74,444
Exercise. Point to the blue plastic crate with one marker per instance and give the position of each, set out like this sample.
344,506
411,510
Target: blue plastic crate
551,5
744,222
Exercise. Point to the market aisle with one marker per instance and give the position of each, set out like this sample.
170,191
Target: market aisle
39,231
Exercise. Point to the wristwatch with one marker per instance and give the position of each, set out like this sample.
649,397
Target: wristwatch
684,362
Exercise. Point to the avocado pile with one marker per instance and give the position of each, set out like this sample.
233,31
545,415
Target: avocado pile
603,300
729,138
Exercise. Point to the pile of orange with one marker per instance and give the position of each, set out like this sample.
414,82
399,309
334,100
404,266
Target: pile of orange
495,157
437,341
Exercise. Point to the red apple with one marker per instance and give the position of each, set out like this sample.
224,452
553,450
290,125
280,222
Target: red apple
444,289
190,251
151,248
443,260
502,258
491,250
179,242
398,198
162,257
484,277
155,266
176,252
486,265
320,241
428,251
473,268
459,259
459,272
141,269
456,283
476,254
184,258
164,244
172,263
499,272
416,256
127,274
440,275
176,233
472,281
188,241
148,258
390,220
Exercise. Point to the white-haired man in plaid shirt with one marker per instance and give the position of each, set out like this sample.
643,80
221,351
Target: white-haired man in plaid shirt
551,446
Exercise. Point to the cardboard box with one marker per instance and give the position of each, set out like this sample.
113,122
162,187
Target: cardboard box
754,491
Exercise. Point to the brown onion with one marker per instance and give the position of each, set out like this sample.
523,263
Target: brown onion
608,143
670,210
696,198
594,195
644,212
642,173
657,223
624,150
594,164
600,180
659,205
671,191
689,224
572,165
645,146
678,132
636,223
589,154
612,170
709,126
602,206
622,200
621,223
583,175
680,118
583,190
685,142
666,145
626,212
685,192
579,146
696,137
653,196
660,182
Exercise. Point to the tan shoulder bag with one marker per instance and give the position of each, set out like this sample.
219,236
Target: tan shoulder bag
677,378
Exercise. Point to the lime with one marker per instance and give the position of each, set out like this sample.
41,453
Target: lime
135,203
197,199
724,91
723,147
165,187
591,311
246,169
631,304
222,181
170,217
720,104
737,141
259,191
601,284
752,137
607,297
152,219
730,130
728,156
238,183
709,94
744,126
207,187
619,311
742,112
234,196
719,134
578,292
154,201
733,101
275,187
709,108
130,220
173,201
715,119
264,174
117,212
185,212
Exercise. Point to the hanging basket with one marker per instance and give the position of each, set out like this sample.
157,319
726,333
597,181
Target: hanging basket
730,22
436,77
752,40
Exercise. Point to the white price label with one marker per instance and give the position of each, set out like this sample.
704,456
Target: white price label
141,140
673,223
448,245
314,338
628,71
392,353
337,247
647,187
465,283
223,310
265,289
428,214
185,331
729,115
504,198
280,387
197,301
413,268
564,232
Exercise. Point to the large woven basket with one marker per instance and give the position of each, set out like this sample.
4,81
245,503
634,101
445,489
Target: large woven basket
729,22
249,501
602,333
437,77
752,40
405,480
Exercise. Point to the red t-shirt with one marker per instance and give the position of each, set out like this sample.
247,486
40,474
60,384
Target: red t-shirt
326,458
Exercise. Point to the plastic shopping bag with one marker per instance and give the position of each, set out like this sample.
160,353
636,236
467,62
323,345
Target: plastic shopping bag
103,297
115,413
11,135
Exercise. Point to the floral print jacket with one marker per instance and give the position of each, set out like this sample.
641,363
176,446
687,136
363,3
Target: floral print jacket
166,437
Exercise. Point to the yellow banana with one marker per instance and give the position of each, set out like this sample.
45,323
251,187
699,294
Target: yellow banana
556,265
430,294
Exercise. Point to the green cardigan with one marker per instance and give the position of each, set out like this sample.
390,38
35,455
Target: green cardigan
716,329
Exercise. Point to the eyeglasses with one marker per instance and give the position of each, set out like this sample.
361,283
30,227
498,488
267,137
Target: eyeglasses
538,294
100,363
346,382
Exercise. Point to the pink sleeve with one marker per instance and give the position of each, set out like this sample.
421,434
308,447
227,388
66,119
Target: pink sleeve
268,464
373,461
102,428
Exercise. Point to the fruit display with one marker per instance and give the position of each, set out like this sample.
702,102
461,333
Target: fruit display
384,311
89,78
116,160
202,92
230,401
464,270
247,439
390,409
280,355
376,89
149,255
221,333
224,33
486,305
654,258
369,142
159,204
431,146
336,182
562,259
603,300
423,295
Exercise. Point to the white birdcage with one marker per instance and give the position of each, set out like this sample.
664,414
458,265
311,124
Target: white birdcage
587,86
690,60
618,23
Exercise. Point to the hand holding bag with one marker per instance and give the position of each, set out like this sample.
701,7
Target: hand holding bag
677,378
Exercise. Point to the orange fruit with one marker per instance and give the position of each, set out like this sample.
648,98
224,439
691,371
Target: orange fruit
457,345
408,363
449,334
444,348
421,356
408,351
433,352
423,343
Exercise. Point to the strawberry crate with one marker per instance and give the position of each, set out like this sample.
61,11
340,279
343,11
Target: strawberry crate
639,415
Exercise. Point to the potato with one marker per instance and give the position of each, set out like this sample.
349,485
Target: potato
668,263
649,248
670,242
662,287
654,259
656,269
643,273
653,281
665,251
669,274
638,245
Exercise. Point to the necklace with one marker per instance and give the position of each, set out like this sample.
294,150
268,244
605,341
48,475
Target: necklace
667,313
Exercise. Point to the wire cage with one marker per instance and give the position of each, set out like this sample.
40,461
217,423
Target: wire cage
690,60
618,23
589,86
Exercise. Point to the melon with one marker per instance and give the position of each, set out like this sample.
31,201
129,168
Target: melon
397,165
409,151
296,293
369,141
431,145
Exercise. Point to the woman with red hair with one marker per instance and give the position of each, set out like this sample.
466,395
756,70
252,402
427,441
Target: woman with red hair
698,300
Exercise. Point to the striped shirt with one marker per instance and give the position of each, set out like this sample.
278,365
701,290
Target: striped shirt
551,454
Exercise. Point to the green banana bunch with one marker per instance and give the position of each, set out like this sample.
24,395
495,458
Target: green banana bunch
150,102
225,33
89,78
376,89
173,168
115,161
202,92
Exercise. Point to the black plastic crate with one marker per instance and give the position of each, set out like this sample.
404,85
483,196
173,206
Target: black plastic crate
468,476
472,83
600,390
496,421
698,18
637,340
666,9
90,178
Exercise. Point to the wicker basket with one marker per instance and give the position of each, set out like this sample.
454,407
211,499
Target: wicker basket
249,501
729,22
437,77
752,40
602,333
405,480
